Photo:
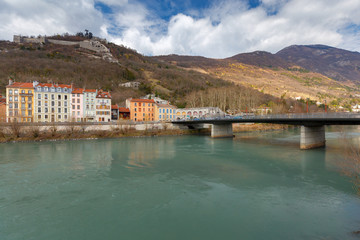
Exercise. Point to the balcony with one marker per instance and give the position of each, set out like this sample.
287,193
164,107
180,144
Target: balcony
26,94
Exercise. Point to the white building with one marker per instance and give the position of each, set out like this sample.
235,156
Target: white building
202,112
103,106
90,105
52,102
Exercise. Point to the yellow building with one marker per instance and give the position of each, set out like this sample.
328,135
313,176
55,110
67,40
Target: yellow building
164,112
19,102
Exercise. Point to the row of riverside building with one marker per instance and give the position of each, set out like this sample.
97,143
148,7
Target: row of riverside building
49,102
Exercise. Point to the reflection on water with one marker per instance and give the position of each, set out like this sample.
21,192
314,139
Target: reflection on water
257,186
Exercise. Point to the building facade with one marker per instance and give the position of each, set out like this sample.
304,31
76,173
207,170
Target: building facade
52,102
114,112
90,105
142,110
2,109
77,105
165,112
202,112
19,102
124,113
103,106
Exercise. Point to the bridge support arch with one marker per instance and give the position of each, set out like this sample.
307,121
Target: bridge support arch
222,130
312,137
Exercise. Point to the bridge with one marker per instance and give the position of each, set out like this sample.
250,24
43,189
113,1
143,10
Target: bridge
312,125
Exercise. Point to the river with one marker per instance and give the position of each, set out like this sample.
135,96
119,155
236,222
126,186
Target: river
256,186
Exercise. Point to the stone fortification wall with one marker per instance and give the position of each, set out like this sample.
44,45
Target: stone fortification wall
22,39
62,42
94,46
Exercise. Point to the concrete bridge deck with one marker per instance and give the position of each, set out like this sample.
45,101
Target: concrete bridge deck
312,125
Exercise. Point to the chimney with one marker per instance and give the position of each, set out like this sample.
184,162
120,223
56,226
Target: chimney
11,81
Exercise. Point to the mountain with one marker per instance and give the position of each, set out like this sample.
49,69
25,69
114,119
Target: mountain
260,59
276,75
339,64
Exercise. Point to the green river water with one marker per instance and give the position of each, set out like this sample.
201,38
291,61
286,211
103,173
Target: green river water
256,186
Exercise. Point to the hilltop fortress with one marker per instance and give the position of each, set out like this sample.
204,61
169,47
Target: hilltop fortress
93,44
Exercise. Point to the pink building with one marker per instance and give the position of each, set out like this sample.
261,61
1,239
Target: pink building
77,105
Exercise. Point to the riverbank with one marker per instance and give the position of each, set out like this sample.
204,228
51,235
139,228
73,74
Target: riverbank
19,133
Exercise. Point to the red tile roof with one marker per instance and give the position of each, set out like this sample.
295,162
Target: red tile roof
90,90
54,85
143,100
122,109
114,106
20,85
102,94
2,100
78,91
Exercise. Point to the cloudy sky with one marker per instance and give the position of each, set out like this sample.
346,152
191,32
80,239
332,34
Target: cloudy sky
211,28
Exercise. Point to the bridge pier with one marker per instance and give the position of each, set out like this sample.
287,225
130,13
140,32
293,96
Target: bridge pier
222,130
312,137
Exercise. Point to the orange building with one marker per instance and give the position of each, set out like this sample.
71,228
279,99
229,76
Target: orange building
20,102
142,110
2,109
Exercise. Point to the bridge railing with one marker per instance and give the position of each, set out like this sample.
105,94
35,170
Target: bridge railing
306,116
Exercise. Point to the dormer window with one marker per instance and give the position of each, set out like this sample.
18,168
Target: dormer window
46,89
39,88
65,89
52,89
59,89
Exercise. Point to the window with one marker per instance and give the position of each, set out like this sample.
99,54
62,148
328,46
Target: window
135,104
29,106
78,101
39,89
59,117
65,90
22,91
52,103
10,98
135,114
143,114
167,110
65,116
159,110
65,97
144,109
53,89
59,89
39,96
16,91
52,97
29,113
39,109
52,110
46,103
65,110
73,95
16,105
73,113
78,106
59,97
78,95
73,106
46,116
160,116
39,116
16,99
78,113
59,104
46,110
10,105
73,101
46,96
65,104
10,91
59,110
29,91
45,89
87,107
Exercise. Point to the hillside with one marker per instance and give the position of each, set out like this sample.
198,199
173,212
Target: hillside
84,68
333,62
271,74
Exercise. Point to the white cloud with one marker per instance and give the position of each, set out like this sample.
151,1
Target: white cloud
225,29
